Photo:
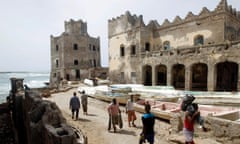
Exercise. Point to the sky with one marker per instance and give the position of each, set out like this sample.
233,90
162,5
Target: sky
26,25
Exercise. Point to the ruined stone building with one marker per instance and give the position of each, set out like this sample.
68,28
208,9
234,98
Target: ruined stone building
74,53
198,52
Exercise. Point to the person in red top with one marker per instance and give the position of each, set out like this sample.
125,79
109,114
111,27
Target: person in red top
188,129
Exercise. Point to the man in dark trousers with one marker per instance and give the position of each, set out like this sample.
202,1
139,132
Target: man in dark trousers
74,105
148,121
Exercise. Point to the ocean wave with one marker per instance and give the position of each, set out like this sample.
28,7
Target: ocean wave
27,75
32,79
36,83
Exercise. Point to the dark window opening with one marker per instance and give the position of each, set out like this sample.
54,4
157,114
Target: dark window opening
68,77
166,45
199,40
94,63
57,64
122,53
75,47
147,46
94,48
122,76
56,47
133,50
77,74
75,62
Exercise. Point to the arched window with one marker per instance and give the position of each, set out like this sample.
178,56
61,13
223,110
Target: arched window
166,45
198,40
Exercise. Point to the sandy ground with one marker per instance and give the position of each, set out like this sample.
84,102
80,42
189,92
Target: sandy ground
94,125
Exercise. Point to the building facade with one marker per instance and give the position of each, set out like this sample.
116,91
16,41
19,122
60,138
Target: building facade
199,52
74,53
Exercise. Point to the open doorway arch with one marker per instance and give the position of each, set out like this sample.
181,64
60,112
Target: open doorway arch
178,76
147,75
227,76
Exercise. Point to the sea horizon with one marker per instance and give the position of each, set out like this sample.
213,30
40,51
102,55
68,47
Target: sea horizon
31,79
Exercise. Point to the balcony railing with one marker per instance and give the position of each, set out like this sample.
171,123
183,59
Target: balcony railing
193,50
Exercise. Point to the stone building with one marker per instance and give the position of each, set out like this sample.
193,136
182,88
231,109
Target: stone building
198,52
74,53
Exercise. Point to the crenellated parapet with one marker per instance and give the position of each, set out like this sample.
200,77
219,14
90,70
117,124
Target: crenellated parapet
204,13
75,27
124,23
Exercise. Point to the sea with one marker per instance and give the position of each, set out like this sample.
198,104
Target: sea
31,79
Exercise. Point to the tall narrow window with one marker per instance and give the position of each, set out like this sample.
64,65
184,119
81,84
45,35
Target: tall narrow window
94,63
166,45
122,52
198,40
75,46
56,47
133,50
94,48
147,46
57,63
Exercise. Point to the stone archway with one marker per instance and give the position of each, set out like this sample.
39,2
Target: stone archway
199,77
178,76
161,75
227,76
147,75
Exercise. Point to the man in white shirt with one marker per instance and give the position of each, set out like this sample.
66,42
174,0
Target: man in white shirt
130,111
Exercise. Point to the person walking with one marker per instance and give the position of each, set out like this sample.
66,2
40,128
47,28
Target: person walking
148,121
130,112
84,102
188,129
74,105
113,111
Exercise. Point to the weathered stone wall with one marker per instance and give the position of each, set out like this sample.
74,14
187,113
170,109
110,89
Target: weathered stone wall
214,26
38,121
225,131
44,122
73,53
7,135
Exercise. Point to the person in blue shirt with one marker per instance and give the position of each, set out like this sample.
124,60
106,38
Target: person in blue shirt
74,105
148,121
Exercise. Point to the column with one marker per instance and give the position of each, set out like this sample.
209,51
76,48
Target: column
188,78
211,78
169,75
238,83
153,75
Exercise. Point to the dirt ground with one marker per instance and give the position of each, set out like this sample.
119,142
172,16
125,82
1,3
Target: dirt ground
94,125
